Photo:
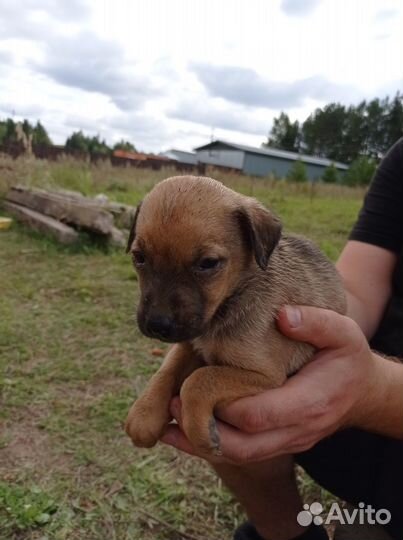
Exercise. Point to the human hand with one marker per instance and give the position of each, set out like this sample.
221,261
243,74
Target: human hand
339,388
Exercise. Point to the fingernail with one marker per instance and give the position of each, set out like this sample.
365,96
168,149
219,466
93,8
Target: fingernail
294,316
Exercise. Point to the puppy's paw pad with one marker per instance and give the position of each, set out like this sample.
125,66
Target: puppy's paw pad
145,424
143,430
141,436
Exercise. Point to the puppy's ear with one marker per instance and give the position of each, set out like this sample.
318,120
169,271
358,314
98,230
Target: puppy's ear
132,233
261,230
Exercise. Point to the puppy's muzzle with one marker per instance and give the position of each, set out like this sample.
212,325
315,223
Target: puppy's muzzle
168,329
161,327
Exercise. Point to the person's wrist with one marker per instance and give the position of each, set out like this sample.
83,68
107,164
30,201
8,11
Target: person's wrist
371,394
370,408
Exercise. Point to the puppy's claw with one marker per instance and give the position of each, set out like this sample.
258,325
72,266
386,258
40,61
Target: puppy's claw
214,437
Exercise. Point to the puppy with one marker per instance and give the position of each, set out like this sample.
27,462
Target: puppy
214,269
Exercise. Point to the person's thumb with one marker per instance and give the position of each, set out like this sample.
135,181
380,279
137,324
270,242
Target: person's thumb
322,328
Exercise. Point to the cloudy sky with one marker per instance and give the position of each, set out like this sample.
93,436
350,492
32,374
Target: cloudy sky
172,73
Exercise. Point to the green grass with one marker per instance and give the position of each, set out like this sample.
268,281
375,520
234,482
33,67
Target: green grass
25,508
72,361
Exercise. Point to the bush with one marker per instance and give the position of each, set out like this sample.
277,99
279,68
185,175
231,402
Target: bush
297,172
360,172
330,174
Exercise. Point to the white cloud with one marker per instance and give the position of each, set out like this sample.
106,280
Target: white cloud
219,114
95,65
299,7
246,86
386,14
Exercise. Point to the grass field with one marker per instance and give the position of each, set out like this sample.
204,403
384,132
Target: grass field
72,360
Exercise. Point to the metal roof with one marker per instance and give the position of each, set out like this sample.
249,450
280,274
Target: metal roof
180,155
273,152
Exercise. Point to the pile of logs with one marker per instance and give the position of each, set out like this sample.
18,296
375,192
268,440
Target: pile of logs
62,214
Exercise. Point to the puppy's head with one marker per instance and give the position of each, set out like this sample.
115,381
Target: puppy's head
193,243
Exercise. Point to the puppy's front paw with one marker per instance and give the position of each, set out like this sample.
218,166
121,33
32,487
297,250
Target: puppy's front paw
145,424
202,432
198,420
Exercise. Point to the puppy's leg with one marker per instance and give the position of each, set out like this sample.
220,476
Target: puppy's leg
210,386
149,415
268,493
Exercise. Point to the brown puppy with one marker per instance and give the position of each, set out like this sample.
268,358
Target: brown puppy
214,270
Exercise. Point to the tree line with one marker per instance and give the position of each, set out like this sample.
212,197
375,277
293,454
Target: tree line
357,135
9,133
342,133
77,142
359,173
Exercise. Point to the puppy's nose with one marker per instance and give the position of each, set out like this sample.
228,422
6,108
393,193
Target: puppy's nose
160,326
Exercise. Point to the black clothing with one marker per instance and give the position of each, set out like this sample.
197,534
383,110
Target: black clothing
380,221
248,532
355,465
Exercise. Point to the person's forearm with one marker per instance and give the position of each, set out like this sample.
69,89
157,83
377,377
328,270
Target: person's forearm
383,410
366,271
359,312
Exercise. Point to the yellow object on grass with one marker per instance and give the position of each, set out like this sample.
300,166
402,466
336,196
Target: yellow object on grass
5,222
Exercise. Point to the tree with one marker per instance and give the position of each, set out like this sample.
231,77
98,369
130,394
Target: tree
322,132
124,145
330,174
354,133
360,172
284,135
26,127
11,135
96,146
77,142
297,172
394,124
3,131
375,120
40,135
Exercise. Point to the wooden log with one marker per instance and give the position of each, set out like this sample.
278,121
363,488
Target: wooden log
41,223
73,211
123,214
118,238
69,193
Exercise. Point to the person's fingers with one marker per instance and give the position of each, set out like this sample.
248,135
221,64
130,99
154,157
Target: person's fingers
269,410
239,448
311,397
322,328
303,399
173,436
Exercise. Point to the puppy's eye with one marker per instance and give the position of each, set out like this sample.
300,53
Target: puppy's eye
138,258
208,263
